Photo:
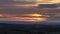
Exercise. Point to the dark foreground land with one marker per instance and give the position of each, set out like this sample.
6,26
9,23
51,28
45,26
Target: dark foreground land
14,27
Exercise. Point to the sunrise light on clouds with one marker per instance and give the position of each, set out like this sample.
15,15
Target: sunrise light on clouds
37,15
23,14
37,2
28,18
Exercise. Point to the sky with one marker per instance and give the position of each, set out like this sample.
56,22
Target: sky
6,4
37,2
27,2
11,10
47,1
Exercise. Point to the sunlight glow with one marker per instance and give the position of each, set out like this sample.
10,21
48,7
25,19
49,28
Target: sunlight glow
26,18
1,15
37,2
29,19
47,2
37,15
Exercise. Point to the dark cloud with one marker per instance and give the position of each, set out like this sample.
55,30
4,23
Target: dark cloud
24,11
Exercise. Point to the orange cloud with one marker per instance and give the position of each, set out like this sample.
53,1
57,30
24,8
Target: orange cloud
28,18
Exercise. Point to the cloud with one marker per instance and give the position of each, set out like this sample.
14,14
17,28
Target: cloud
14,2
11,3
23,2
25,19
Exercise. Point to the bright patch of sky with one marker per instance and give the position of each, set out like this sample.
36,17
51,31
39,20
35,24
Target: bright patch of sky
43,1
